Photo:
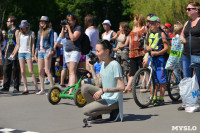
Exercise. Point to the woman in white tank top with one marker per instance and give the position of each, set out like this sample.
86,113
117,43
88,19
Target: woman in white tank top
25,49
108,34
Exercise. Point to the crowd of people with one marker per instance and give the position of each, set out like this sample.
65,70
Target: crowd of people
18,46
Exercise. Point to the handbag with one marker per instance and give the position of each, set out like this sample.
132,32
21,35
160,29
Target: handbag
195,59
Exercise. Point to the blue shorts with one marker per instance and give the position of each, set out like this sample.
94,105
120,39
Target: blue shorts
160,72
24,56
42,55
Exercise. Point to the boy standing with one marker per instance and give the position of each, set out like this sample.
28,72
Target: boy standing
158,60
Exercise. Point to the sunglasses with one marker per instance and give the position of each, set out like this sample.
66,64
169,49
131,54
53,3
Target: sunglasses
189,9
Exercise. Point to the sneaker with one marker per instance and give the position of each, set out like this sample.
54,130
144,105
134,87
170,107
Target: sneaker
4,90
114,115
15,90
47,83
154,101
159,103
181,108
91,118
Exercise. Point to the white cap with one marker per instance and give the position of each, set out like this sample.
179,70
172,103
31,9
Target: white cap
106,22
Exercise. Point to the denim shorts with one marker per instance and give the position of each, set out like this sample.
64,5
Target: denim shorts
24,56
42,55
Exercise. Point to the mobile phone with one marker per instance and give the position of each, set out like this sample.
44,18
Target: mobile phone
10,58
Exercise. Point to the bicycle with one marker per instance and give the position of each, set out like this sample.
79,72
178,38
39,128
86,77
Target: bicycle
143,86
55,94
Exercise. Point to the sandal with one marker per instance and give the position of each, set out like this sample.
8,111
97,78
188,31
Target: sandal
25,92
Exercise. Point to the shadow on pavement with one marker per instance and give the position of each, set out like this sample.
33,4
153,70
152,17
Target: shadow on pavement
133,117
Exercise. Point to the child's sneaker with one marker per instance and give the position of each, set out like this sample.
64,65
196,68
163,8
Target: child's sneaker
159,103
154,101
47,83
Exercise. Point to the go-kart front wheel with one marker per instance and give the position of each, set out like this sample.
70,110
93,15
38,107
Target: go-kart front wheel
53,95
79,99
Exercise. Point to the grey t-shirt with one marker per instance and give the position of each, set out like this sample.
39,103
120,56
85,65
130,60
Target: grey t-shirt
76,45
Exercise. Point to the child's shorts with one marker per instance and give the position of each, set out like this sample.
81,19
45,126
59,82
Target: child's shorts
160,72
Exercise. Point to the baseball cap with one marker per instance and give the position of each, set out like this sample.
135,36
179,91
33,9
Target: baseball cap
168,25
106,22
155,18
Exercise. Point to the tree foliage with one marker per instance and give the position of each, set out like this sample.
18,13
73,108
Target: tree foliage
167,10
114,10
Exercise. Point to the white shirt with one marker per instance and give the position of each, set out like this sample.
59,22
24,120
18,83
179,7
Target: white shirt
107,37
24,48
93,35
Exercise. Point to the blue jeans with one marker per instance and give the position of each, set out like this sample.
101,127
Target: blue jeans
187,71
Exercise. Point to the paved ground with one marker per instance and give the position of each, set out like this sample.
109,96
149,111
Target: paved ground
34,113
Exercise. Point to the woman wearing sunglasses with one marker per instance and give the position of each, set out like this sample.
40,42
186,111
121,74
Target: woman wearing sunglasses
109,98
73,46
193,24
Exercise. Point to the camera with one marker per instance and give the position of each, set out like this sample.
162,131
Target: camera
141,42
63,22
93,58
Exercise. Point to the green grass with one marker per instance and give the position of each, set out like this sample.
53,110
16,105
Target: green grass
35,70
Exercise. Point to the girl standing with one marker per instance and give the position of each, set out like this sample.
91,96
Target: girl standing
44,50
25,47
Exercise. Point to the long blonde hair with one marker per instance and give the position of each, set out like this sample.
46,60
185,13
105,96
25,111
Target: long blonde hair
44,29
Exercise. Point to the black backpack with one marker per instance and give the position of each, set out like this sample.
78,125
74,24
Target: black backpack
85,45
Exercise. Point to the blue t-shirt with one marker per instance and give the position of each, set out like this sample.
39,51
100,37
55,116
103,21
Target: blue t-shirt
97,67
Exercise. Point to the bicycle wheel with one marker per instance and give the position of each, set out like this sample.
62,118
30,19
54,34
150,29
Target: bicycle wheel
172,85
79,99
143,87
53,95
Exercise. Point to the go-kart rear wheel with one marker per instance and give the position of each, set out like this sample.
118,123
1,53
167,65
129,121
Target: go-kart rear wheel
53,95
79,99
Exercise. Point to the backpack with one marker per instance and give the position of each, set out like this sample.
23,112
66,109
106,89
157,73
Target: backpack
85,45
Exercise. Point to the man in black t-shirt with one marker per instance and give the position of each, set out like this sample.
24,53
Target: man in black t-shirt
11,65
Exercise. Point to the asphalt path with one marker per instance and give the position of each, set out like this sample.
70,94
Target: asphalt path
34,113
